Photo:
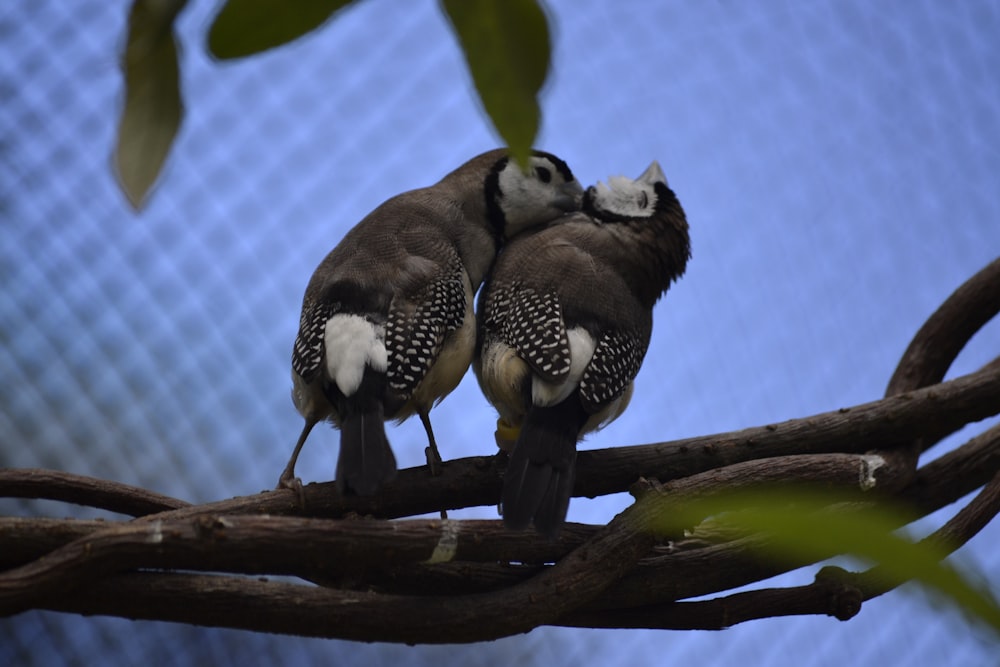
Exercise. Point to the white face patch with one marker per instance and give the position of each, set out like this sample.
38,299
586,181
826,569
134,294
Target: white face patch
625,197
536,196
352,342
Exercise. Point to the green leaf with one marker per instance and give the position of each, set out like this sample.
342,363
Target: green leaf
506,44
804,527
153,108
246,27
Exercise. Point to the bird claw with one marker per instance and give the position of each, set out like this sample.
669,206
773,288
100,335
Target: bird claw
293,484
434,461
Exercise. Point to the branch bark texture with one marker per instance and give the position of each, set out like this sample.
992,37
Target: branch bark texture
418,580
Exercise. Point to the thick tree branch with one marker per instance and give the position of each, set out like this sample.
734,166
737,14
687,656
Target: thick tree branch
932,351
938,342
834,592
316,611
957,531
476,481
952,475
823,597
446,581
86,491
938,483
673,582
251,544
685,572
352,548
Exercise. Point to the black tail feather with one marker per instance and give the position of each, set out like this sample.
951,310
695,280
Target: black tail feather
366,460
539,479
551,513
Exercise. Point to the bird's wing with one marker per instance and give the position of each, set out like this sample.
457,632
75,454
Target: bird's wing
616,361
419,320
308,351
530,321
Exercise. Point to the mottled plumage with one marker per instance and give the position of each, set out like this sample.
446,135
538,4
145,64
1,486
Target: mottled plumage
566,318
387,326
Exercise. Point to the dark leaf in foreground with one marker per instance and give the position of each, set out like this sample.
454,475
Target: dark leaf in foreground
245,27
153,107
506,44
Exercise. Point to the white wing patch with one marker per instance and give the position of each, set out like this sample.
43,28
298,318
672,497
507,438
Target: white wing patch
581,350
352,342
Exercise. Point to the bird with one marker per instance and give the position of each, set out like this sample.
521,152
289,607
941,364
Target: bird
565,321
387,327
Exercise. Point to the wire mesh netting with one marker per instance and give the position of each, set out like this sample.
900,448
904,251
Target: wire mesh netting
837,162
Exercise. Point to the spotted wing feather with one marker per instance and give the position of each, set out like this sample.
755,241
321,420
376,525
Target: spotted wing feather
616,361
308,352
417,327
531,322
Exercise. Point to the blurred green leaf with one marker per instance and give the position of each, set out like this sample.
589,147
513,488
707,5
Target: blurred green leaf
804,527
153,108
246,27
506,44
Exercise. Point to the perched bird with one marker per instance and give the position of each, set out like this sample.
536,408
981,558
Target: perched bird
387,326
565,320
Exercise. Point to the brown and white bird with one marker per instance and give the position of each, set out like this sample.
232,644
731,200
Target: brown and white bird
565,320
387,326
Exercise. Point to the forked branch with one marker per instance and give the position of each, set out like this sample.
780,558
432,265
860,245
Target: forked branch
427,580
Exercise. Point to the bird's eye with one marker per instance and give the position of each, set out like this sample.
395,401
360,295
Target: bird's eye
544,175
643,200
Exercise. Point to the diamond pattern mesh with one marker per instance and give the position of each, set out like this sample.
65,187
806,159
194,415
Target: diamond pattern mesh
837,161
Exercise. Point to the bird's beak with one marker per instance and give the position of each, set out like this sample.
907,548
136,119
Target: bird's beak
653,174
570,197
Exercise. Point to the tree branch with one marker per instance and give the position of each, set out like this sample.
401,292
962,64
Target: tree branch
445,581
476,481
683,572
834,592
937,343
86,491
314,611
957,531
673,575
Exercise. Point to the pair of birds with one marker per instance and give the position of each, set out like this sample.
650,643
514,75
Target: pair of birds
388,328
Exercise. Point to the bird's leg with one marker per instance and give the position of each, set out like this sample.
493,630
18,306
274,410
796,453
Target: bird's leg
288,480
434,461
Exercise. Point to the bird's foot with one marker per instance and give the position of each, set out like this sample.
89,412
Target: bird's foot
434,461
289,481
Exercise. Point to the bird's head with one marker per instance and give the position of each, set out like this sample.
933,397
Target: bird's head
518,199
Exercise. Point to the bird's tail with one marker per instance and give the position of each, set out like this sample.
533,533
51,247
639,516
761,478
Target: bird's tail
366,460
539,479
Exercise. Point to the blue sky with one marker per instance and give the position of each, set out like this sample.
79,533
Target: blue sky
837,161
